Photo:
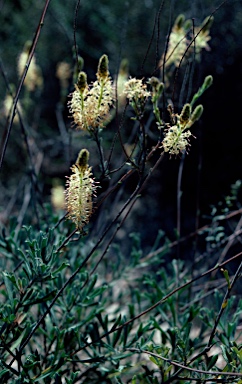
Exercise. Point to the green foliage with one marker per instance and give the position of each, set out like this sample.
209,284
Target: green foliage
96,330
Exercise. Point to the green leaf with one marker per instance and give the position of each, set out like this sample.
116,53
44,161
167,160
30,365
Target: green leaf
168,370
134,379
211,361
17,342
231,329
3,371
46,373
92,283
116,337
61,267
238,353
8,286
226,275
154,360
42,299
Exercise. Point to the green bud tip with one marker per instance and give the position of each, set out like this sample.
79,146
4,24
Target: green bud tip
124,66
157,85
179,21
102,71
197,113
208,81
82,159
27,46
78,67
154,82
207,23
80,63
187,25
82,82
185,114
160,88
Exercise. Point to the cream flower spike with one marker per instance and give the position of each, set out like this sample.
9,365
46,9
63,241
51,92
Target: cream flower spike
80,188
90,106
177,136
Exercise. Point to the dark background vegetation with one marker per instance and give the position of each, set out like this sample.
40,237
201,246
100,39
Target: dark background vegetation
126,29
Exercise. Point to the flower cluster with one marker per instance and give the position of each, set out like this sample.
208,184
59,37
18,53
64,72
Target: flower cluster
80,188
8,105
202,37
33,79
177,42
136,93
119,84
177,136
175,140
180,41
63,73
135,90
90,106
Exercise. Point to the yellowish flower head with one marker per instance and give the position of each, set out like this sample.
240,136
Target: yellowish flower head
177,47
33,79
91,109
202,36
90,106
175,140
120,82
57,197
80,188
63,73
134,89
180,42
7,108
177,136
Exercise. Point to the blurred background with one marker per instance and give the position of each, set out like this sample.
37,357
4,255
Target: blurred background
135,30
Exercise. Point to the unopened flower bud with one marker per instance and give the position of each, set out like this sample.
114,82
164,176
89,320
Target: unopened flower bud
179,21
80,63
82,160
82,82
185,114
187,25
27,46
197,113
157,87
124,67
207,23
208,81
154,82
102,71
